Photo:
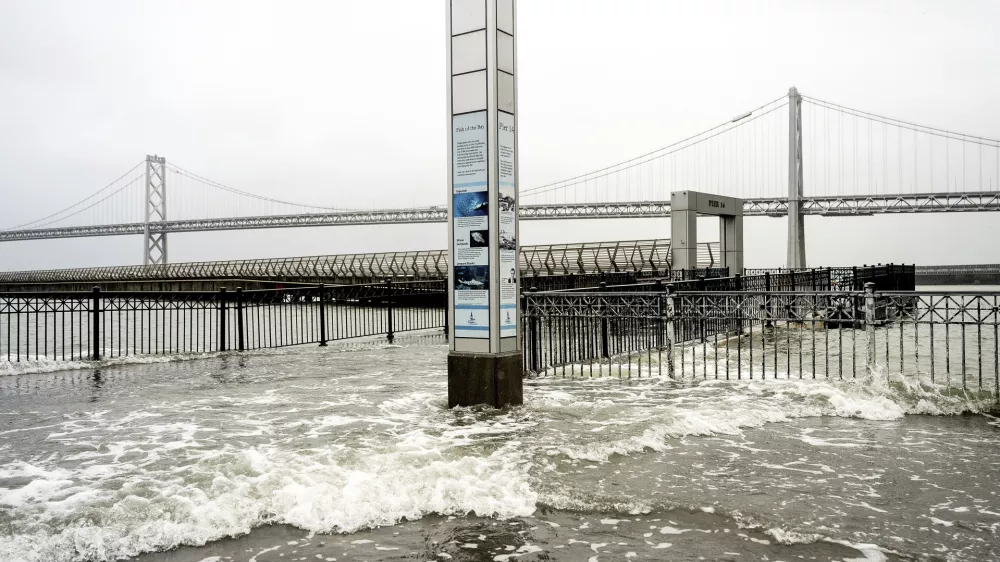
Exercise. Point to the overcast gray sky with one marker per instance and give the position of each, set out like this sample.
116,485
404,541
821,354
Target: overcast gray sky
342,103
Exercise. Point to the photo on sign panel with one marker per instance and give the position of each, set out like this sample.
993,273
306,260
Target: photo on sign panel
472,278
507,240
472,204
511,278
479,238
506,202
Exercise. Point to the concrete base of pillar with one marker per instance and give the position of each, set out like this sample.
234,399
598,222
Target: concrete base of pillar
492,379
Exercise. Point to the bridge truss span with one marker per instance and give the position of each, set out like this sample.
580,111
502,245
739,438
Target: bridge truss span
857,205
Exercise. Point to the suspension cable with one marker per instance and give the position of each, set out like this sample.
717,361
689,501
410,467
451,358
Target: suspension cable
905,124
82,201
624,162
191,175
659,154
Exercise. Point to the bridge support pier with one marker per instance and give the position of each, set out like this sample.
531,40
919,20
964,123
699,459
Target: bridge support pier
484,363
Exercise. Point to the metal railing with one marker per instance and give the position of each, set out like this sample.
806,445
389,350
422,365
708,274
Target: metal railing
106,325
560,326
548,259
947,339
579,331
625,281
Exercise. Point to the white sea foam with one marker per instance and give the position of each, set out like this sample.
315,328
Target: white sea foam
871,552
785,536
117,357
317,491
417,462
49,365
738,405
39,365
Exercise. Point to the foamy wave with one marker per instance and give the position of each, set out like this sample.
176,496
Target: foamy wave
116,357
39,365
121,356
785,536
43,364
239,490
740,405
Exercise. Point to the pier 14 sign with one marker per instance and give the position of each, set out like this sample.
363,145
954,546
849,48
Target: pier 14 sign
507,207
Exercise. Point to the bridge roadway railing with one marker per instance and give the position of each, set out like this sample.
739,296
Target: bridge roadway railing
551,259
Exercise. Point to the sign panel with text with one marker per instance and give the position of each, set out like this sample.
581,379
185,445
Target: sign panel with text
507,208
470,226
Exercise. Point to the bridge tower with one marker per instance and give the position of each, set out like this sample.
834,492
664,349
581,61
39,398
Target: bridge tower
154,245
796,226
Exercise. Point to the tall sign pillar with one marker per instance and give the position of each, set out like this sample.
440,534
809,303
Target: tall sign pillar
484,364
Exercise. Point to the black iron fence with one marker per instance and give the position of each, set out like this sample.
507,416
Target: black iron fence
948,338
888,277
99,325
636,280
940,338
581,330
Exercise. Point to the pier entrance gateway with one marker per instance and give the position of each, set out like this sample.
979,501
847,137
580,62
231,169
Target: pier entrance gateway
685,207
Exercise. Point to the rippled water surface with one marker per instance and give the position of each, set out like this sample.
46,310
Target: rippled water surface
349,453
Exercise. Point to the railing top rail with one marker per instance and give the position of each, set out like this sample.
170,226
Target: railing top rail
106,294
923,293
580,294
427,286
894,293
770,293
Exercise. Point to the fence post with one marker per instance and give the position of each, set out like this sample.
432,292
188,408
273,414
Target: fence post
870,325
702,311
767,299
447,310
854,278
322,315
605,352
95,322
738,280
534,335
524,325
659,314
671,330
240,339
390,336
222,319
812,278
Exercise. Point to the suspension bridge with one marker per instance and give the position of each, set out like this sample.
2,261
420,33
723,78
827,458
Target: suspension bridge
794,156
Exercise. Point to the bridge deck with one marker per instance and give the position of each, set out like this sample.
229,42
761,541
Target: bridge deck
857,205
